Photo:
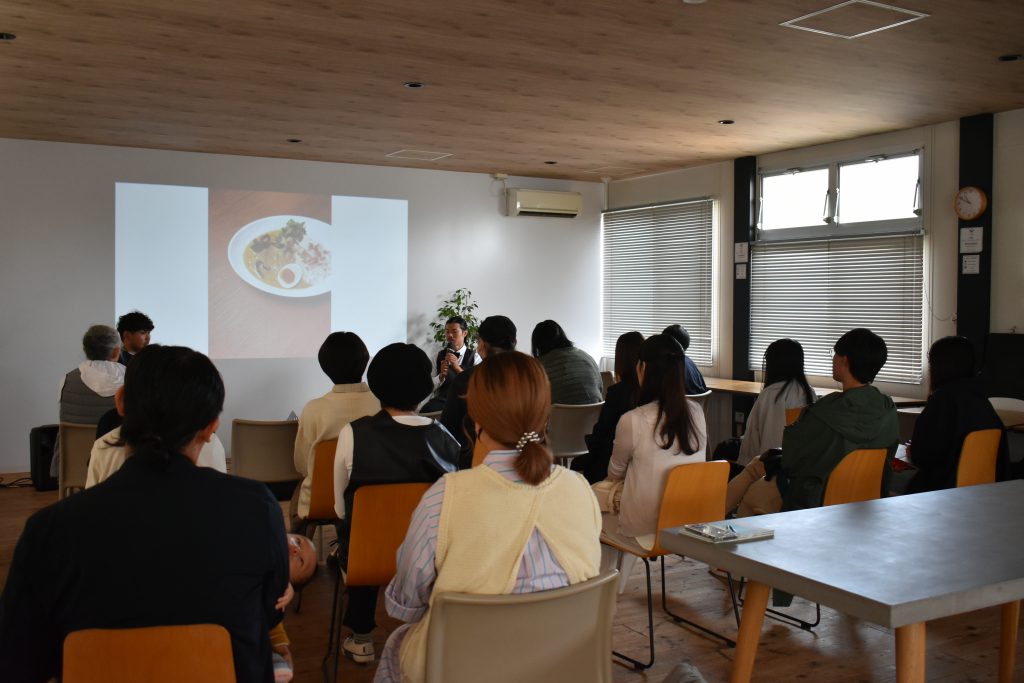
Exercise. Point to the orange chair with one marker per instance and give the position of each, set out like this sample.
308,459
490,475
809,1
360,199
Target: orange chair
380,519
792,415
199,653
321,499
693,493
857,477
978,457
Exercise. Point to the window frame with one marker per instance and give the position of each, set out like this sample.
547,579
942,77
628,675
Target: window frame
711,293
832,226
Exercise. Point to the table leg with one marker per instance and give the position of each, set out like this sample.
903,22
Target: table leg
750,631
1008,640
910,648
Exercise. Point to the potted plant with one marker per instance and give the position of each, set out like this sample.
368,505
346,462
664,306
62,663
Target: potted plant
461,304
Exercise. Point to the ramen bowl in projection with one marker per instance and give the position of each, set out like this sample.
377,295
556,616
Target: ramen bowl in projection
284,255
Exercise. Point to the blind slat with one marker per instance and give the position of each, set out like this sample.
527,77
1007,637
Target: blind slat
816,291
658,272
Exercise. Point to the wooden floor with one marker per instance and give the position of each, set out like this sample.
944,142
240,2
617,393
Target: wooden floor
962,649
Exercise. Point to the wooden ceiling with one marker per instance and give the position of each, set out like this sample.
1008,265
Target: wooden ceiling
634,85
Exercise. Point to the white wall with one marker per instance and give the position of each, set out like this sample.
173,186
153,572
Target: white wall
57,226
1008,224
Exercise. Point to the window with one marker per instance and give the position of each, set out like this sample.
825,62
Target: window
839,246
816,291
866,196
658,272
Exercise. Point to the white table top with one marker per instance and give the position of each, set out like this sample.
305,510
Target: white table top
894,561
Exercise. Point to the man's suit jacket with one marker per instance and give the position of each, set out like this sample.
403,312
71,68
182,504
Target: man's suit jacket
468,361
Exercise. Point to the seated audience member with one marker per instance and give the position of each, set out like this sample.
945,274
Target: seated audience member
785,387
109,452
539,524
212,546
455,358
392,447
620,398
343,358
858,417
134,329
665,430
87,392
956,406
694,379
575,378
497,334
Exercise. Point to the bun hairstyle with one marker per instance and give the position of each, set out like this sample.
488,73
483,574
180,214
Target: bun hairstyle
170,394
665,382
510,398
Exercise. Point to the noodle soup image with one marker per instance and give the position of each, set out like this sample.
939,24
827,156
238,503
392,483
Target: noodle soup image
283,255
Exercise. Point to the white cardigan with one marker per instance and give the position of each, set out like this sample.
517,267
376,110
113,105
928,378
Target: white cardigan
637,457
768,419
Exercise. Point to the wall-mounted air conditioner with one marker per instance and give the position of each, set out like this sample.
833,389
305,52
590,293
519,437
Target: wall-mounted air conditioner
543,203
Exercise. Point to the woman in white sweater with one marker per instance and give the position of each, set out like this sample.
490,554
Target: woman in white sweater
664,431
785,387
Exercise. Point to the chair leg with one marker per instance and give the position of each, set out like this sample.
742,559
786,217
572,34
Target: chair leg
787,619
637,665
733,598
329,665
682,620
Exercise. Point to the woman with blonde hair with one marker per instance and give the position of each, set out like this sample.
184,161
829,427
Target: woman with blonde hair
514,524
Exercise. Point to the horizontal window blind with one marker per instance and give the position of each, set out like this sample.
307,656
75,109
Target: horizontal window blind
816,291
657,272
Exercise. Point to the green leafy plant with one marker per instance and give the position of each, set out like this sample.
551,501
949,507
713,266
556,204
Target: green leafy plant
460,303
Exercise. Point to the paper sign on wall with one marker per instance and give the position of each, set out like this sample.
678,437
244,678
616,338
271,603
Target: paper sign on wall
741,271
971,265
971,240
741,252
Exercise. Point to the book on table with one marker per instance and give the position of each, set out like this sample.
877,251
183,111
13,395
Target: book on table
725,532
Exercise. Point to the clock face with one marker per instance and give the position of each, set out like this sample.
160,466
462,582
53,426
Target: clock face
970,203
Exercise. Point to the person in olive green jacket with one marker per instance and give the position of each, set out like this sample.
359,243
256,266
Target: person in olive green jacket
858,417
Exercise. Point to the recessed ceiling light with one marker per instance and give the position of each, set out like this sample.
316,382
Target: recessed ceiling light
413,84
726,122
1010,58
7,36
551,162
694,2
294,140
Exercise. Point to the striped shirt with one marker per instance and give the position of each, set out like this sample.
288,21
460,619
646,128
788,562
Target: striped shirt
408,594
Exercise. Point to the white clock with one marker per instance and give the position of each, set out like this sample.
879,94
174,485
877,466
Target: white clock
970,202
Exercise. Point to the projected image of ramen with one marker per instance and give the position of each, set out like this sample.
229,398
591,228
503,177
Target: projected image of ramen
283,255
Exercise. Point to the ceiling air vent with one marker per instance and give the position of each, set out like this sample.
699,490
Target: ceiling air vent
418,155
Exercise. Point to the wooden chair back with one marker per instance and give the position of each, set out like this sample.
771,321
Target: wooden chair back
858,477
75,445
321,497
264,450
380,519
199,653
694,493
978,457
567,633
792,415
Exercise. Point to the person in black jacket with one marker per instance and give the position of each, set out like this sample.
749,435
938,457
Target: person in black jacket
956,406
619,400
395,446
161,542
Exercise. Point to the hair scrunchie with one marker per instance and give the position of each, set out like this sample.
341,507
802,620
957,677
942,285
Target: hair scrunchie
527,437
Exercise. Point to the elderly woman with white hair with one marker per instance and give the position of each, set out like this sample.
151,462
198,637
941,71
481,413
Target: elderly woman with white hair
87,392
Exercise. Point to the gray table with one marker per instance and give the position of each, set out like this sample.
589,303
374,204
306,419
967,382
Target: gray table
899,562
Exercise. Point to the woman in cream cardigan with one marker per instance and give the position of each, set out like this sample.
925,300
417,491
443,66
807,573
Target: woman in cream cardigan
514,524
